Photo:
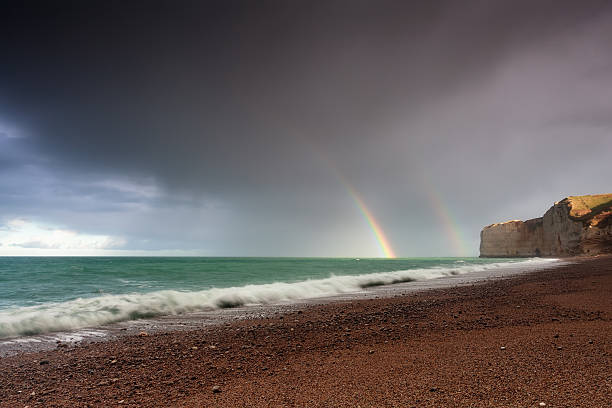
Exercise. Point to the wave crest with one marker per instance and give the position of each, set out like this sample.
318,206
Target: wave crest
96,311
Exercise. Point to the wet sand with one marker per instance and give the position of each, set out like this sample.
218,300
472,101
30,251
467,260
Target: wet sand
544,337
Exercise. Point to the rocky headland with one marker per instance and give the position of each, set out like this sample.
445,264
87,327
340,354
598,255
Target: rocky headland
576,225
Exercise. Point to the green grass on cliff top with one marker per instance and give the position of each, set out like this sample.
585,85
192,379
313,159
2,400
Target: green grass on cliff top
583,205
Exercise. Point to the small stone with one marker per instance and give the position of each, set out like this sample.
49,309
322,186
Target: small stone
559,348
43,362
216,389
433,389
542,404
502,348
120,401
194,348
143,334
590,341
371,351
113,361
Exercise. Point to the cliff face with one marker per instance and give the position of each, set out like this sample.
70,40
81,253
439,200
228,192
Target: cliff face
579,225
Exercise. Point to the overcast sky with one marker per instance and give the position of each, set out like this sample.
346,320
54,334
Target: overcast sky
235,127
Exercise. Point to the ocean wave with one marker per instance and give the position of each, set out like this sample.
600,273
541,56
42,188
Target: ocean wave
105,309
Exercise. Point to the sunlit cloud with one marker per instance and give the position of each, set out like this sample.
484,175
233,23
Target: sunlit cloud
21,236
145,190
9,131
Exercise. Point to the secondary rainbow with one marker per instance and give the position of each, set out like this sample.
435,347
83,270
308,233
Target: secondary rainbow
444,215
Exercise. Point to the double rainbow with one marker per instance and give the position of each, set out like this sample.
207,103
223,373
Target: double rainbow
441,211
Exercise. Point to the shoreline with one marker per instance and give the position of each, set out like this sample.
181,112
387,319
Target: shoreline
544,336
197,320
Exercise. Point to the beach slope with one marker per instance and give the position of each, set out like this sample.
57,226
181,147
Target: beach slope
539,338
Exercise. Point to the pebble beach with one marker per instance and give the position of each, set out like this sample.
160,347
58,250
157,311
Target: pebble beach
532,340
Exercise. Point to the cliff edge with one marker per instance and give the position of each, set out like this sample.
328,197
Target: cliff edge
576,225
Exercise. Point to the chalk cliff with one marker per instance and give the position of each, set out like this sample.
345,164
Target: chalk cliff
577,225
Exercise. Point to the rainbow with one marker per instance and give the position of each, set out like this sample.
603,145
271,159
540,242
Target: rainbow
444,215
442,212
381,238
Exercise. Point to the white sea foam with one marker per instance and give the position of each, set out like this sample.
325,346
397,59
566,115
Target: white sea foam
96,311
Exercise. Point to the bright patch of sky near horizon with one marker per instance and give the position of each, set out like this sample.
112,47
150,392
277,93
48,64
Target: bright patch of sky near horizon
197,128
22,237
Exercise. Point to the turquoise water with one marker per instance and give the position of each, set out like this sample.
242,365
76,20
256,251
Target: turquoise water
43,294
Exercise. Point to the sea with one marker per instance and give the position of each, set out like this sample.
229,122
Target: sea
41,295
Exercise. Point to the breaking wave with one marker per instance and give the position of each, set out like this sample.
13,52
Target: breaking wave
96,311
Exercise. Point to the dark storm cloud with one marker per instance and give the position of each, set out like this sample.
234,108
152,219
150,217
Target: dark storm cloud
244,111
